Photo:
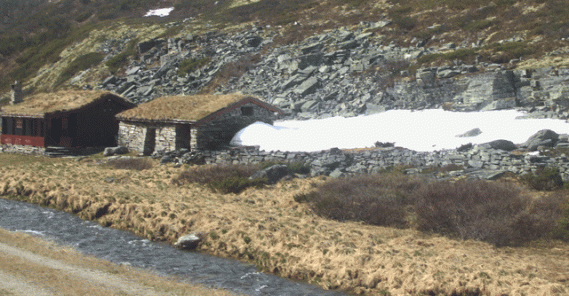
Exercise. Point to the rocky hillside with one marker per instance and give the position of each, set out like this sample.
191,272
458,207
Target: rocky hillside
311,58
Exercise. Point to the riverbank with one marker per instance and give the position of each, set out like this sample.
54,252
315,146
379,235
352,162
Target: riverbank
267,227
33,266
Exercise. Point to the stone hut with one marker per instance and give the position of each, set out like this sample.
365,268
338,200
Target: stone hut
62,119
196,122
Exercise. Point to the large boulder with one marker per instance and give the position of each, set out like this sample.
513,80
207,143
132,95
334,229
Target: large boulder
502,145
188,242
273,173
546,137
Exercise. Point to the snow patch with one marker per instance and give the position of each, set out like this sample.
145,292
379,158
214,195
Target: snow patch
427,130
162,12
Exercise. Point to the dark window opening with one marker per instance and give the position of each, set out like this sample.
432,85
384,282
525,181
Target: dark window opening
5,129
28,127
9,126
19,127
247,111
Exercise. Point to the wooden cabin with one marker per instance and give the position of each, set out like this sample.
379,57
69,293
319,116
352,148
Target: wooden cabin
65,119
196,122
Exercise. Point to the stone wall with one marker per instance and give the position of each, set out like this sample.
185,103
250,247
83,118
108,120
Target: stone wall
22,149
146,138
165,138
132,136
479,162
218,132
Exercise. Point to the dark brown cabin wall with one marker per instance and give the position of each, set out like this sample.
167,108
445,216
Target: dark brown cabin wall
97,126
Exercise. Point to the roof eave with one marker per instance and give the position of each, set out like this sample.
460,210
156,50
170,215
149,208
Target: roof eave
147,120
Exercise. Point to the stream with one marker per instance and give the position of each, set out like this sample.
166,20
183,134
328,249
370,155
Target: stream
122,247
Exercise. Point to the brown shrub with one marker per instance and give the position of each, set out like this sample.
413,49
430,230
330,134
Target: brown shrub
373,199
138,164
492,212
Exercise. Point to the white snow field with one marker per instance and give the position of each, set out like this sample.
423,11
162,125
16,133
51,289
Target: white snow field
162,12
427,130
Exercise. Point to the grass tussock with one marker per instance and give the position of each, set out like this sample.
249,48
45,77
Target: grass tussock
130,163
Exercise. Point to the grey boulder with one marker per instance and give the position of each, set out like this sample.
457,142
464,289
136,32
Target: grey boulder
544,137
188,242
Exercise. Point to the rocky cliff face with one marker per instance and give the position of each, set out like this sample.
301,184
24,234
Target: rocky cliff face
339,73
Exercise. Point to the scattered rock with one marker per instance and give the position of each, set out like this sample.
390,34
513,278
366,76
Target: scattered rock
471,133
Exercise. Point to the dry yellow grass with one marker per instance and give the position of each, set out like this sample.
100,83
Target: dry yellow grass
61,101
267,227
187,108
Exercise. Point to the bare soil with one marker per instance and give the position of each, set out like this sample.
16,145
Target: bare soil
267,227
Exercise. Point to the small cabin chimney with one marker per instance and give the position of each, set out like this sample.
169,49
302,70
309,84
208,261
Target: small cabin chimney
17,96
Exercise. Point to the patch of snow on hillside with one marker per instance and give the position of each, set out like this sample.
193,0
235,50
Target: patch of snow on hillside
162,12
427,130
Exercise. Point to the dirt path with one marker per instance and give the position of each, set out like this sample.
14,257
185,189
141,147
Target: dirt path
25,286
10,284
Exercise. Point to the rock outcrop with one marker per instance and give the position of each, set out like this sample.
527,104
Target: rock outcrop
339,73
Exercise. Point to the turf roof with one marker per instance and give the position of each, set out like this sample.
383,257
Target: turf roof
62,101
183,108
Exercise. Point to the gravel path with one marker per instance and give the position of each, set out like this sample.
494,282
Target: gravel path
14,284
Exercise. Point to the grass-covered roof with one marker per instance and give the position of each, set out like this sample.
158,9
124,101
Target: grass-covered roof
63,101
182,108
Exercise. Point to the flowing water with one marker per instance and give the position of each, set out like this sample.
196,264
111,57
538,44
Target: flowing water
122,247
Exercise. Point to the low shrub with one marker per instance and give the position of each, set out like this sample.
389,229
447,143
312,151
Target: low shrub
479,210
561,230
225,178
137,163
121,59
545,179
373,199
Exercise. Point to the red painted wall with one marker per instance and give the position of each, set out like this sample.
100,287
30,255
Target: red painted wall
22,140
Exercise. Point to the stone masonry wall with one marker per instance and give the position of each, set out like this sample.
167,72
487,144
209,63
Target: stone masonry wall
165,138
218,132
132,136
22,149
138,137
480,162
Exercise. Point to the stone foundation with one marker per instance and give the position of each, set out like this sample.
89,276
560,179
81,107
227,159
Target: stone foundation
22,149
